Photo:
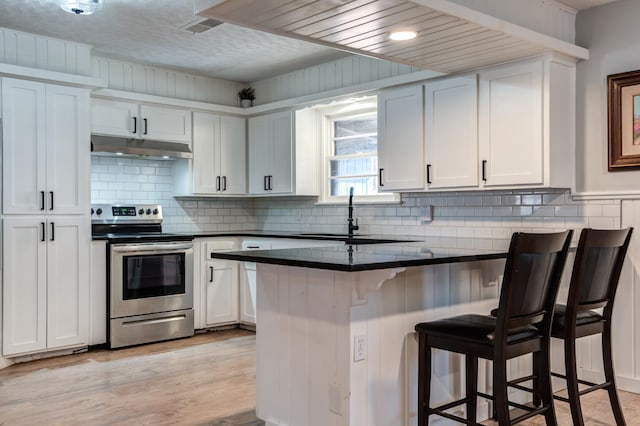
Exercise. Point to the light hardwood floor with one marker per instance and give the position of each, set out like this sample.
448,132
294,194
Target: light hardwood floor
205,380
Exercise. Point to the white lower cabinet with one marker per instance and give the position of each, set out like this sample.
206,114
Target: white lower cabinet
45,283
221,293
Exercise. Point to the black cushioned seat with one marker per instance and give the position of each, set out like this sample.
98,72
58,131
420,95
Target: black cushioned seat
582,318
521,326
477,328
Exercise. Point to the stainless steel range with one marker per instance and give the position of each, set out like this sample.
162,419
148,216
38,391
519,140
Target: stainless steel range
150,275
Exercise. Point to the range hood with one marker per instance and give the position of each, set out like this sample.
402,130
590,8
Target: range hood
109,145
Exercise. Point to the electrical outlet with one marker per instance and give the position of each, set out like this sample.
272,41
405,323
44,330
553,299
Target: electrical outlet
359,348
426,213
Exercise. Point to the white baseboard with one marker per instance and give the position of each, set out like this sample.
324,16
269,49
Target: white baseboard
629,384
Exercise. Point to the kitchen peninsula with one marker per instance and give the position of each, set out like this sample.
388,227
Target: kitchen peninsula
335,341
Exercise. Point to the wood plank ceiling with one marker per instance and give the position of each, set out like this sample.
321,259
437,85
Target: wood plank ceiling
450,38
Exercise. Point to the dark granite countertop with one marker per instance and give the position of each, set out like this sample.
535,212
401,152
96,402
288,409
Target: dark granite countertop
363,257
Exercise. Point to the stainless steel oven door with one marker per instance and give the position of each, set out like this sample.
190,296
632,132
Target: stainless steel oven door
149,278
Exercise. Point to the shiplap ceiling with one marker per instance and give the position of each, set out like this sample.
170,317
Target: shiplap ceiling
451,38
149,32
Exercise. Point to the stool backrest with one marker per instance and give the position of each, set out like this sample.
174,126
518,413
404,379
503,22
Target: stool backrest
597,268
531,281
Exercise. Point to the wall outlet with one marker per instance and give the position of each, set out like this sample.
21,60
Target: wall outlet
426,213
359,348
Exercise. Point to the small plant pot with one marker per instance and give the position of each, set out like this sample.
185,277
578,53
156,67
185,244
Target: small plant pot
246,103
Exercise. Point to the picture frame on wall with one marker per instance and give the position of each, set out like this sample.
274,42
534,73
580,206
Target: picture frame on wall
623,93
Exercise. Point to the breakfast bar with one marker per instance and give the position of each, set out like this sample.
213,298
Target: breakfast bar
335,340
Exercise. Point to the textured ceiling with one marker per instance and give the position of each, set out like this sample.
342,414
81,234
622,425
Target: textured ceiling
148,31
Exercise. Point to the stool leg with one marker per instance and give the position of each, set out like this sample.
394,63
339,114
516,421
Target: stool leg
544,390
537,372
610,376
571,371
424,380
471,374
501,406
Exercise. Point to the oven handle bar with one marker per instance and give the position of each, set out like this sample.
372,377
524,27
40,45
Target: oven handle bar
153,247
181,317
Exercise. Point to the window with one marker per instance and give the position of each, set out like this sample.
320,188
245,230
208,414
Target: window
351,152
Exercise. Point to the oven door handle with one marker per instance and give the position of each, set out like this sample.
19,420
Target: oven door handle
151,247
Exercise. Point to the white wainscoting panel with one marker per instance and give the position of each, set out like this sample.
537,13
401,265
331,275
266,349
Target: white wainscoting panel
134,77
344,72
46,53
309,319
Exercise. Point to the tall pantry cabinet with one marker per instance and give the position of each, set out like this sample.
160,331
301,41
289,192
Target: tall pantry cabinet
46,230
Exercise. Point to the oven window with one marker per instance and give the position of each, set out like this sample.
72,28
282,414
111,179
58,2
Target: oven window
153,275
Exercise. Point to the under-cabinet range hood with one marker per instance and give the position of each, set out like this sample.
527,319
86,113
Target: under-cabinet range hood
109,145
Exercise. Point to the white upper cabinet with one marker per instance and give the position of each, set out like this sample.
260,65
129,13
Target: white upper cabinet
46,148
140,121
219,154
451,132
400,139
271,153
511,120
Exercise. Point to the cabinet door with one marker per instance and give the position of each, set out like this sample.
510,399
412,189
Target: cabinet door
167,124
222,292
115,118
68,244
281,175
259,154
248,293
510,127
24,296
233,155
400,139
68,150
206,140
24,146
451,132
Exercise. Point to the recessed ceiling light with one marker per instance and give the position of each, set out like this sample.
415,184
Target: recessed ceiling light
80,7
402,35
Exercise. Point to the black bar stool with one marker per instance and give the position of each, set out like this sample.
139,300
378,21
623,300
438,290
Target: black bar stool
530,285
594,281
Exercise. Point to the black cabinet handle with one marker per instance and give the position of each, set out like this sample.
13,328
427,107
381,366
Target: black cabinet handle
43,231
217,183
210,274
135,124
146,128
253,247
428,173
41,200
270,183
224,183
380,177
51,198
53,231
264,183
484,170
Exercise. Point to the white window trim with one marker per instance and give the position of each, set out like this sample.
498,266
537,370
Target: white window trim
326,114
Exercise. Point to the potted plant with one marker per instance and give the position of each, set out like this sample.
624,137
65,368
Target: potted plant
247,95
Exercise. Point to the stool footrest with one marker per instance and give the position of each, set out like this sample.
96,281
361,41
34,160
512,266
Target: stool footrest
592,386
452,404
521,379
453,417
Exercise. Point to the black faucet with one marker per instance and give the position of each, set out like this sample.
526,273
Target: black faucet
350,224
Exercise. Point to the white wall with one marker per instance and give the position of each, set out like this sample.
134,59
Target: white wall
609,34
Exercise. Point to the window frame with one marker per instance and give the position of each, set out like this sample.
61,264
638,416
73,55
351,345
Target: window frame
327,116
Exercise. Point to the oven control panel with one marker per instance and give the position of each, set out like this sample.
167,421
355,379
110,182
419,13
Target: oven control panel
129,213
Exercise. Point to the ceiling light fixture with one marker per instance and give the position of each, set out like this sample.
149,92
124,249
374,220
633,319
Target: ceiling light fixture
80,7
402,35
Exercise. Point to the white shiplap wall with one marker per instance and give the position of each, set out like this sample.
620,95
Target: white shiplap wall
345,72
139,78
45,53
